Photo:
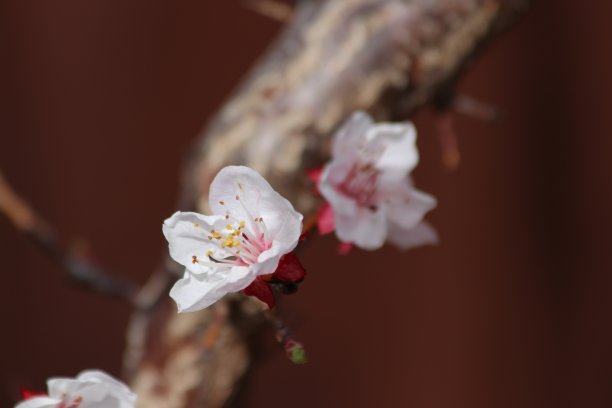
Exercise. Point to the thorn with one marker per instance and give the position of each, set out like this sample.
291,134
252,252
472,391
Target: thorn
272,9
449,143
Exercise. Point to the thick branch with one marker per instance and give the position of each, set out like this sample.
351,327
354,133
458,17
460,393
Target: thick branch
385,56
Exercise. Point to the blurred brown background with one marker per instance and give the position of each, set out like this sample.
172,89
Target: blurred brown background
100,99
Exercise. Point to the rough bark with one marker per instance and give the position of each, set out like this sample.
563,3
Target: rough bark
388,57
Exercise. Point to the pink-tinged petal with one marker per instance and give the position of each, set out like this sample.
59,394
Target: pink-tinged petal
93,389
246,195
351,134
268,260
421,234
289,269
39,402
59,387
196,292
325,219
344,248
188,236
409,208
262,291
400,155
368,230
334,175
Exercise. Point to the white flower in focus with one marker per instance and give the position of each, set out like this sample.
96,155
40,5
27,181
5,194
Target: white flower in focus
368,187
237,248
90,389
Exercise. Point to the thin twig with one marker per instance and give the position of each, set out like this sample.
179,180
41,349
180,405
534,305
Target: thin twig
78,269
294,349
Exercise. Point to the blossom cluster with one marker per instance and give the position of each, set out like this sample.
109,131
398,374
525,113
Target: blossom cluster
248,242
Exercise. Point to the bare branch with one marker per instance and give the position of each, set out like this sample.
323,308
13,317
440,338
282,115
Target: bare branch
78,269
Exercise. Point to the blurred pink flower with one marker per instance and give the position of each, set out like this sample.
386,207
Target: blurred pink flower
368,186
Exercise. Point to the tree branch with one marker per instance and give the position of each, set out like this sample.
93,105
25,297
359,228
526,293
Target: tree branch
78,269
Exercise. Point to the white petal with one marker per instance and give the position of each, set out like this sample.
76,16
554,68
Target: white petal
267,262
39,402
367,230
115,391
246,195
400,155
421,234
409,207
349,136
333,175
187,234
196,292
63,386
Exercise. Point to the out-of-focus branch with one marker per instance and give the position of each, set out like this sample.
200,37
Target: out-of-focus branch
272,9
78,269
294,349
389,57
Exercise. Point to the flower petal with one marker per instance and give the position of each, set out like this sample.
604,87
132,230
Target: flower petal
400,155
196,292
333,175
421,234
268,260
39,402
409,207
350,135
188,236
367,230
114,390
245,195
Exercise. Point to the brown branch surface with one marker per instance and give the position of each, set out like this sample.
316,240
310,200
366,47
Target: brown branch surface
388,57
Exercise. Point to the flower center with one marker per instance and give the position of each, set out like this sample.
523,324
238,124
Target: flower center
242,241
360,184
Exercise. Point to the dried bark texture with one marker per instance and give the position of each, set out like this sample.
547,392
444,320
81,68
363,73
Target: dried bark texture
385,56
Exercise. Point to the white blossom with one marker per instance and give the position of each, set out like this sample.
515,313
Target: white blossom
251,228
368,186
90,389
